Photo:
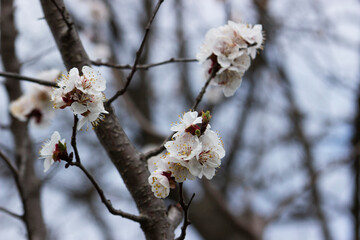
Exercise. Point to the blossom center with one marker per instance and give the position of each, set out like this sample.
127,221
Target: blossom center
205,156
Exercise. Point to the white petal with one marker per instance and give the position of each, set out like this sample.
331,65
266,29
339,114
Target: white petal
78,108
98,82
47,163
81,123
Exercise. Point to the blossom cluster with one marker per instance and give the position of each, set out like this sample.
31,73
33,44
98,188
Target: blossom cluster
194,151
83,94
35,105
226,53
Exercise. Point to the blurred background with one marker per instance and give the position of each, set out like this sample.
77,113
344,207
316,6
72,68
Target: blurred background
291,131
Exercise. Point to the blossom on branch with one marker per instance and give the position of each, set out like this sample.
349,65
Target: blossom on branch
226,52
194,151
53,150
83,94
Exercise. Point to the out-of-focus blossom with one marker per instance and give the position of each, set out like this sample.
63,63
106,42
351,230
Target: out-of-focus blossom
226,53
35,105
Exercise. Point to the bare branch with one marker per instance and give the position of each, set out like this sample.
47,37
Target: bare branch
20,217
138,55
203,90
106,201
143,66
28,79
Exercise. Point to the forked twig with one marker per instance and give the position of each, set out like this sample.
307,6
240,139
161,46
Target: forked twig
106,201
185,208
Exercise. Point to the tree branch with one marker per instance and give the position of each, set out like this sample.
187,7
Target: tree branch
19,77
138,55
203,90
20,217
143,66
73,139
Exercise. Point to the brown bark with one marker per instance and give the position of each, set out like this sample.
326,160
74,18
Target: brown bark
124,156
27,182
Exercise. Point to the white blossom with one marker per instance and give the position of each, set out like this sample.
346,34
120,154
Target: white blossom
49,150
91,82
229,80
184,147
159,184
210,156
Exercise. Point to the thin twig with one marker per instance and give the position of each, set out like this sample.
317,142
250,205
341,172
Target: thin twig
29,79
13,169
138,54
143,66
106,202
73,139
203,90
185,208
20,217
